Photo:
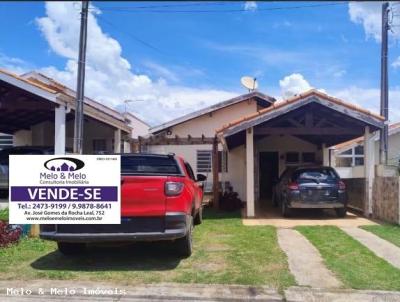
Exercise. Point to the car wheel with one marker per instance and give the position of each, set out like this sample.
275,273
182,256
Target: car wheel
199,216
184,245
285,210
68,248
341,212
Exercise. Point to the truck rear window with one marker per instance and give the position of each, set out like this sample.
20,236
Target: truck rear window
149,165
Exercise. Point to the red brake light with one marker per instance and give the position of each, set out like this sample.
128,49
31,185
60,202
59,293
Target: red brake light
173,188
342,185
293,186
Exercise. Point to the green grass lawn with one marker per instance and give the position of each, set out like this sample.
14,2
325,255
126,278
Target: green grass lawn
388,232
225,252
4,214
353,263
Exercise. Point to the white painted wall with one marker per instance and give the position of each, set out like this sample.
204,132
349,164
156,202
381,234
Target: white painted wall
139,128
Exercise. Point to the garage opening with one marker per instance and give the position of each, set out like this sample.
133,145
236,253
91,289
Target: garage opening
269,173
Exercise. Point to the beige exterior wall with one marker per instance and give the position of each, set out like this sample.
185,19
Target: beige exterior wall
23,138
139,128
287,143
207,124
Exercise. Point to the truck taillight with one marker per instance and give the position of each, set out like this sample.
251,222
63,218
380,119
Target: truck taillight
173,188
293,186
342,185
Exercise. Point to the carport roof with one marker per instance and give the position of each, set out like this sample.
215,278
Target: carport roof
254,118
48,89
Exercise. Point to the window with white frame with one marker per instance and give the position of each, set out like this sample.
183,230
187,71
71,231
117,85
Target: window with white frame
351,157
204,161
6,141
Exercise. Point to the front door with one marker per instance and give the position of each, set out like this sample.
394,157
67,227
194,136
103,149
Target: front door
269,172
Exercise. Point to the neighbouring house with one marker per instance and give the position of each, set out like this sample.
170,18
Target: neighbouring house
348,160
38,111
248,141
348,157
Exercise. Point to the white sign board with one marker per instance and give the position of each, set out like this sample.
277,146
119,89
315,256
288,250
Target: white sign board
73,189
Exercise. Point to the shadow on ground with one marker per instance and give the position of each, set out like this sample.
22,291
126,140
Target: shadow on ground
124,257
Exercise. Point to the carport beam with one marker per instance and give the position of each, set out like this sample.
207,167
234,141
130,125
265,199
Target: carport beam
250,172
59,130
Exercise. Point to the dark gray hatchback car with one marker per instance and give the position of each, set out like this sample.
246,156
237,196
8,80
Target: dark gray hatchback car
310,187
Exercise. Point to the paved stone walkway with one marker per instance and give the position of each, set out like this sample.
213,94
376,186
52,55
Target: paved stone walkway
305,262
381,247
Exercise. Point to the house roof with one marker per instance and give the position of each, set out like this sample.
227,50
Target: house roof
393,129
57,93
297,99
48,83
264,100
137,118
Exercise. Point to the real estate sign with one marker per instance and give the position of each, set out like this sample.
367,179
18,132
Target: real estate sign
73,189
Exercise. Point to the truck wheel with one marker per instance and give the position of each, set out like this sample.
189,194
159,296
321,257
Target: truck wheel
198,219
341,212
184,245
68,248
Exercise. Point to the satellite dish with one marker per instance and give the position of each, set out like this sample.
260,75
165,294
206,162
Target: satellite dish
249,83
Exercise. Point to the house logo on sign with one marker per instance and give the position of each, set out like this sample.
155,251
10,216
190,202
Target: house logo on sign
64,164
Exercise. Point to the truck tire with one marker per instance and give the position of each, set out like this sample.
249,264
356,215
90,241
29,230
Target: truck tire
184,245
341,212
69,248
198,219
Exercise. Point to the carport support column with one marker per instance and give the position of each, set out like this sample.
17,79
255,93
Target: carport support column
325,155
369,169
59,130
117,141
250,172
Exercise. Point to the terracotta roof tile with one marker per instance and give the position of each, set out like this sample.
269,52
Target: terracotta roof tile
294,99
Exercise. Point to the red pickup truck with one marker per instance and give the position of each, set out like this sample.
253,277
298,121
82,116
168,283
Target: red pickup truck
161,199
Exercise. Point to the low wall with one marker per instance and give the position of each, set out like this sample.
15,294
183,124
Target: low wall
386,199
355,188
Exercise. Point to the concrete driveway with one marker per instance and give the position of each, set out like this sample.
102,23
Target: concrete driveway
306,217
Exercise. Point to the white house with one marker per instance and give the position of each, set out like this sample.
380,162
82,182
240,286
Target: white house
251,139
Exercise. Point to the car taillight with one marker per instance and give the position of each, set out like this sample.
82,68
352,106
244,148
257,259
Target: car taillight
173,188
293,186
342,185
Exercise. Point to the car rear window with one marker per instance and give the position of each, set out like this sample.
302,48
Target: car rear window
316,174
149,165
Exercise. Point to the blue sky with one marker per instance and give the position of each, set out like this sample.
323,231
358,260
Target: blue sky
180,61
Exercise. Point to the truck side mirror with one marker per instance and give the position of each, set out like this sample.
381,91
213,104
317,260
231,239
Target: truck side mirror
201,177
